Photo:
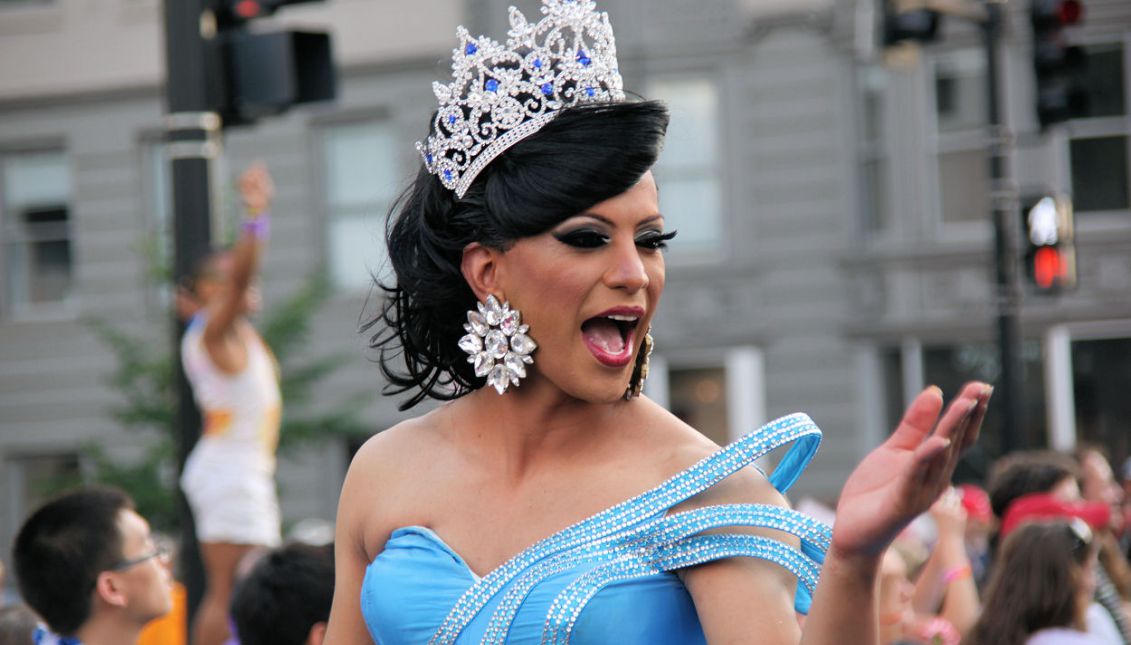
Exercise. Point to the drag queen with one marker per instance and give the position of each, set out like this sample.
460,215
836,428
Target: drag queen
546,500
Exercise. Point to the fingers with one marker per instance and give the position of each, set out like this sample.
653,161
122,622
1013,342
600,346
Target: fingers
918,420
956,431
959,413
979,416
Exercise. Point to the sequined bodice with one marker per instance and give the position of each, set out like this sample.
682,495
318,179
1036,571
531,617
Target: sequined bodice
607,579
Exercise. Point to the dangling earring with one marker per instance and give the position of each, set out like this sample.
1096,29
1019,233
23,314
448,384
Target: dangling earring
640,372
497,343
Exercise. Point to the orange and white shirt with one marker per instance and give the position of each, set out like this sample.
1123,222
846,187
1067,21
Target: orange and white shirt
241,412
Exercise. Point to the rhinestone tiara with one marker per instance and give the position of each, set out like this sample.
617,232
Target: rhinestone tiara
503,93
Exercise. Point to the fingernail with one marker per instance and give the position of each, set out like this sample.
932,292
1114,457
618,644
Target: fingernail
936,389
946,442
987,391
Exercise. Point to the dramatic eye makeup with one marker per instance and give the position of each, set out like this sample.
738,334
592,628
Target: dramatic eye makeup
655,240
582,238
591,238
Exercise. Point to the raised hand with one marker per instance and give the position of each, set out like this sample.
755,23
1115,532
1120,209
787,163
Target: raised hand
949,515
906,474
256,189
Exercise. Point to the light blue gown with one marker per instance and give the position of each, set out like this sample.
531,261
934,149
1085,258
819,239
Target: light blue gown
609,578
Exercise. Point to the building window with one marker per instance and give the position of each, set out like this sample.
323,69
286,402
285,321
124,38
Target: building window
963,185
1099,153
1106,81
960,115
32,480
361,183
35,221
952,366
156,241
891,388
688,172
1099,173
874,204
1101,370
698,396
960,90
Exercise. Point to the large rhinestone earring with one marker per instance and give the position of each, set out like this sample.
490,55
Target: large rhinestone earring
640,372
497,343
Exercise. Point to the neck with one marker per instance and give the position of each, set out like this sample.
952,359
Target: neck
109,630
534,425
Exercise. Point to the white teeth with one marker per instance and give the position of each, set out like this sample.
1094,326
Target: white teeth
623,318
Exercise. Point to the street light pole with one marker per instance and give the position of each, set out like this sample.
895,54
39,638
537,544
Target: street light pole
192,141
1003,198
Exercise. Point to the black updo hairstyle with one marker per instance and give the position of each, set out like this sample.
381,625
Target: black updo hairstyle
585,155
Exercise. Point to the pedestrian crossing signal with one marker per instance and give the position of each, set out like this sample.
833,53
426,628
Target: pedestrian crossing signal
1050,259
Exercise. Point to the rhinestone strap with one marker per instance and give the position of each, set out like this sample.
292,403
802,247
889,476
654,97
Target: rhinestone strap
797,428
569,604
661,533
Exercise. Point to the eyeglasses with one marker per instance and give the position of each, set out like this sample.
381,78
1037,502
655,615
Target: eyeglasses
157,552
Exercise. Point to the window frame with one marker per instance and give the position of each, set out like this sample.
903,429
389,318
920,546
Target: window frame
875,224
966,140
151,146
320,128
66,308
1098,128
718,170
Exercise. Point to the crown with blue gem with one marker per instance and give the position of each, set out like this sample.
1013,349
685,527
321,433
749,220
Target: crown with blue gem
503,93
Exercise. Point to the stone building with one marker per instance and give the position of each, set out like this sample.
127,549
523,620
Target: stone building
834,252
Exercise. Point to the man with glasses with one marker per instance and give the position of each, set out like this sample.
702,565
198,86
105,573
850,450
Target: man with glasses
87,564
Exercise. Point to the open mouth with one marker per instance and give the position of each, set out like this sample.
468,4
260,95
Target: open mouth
609,337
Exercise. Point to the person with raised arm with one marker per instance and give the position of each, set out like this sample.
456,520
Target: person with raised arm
229,477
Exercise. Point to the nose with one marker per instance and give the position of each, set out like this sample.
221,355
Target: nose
627,270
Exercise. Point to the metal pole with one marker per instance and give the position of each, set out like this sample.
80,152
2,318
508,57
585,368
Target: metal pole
1003,197
192,133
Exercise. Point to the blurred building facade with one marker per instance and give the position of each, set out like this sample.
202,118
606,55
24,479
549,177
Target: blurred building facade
834,252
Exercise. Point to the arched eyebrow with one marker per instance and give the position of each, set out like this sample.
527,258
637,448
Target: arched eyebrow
602,218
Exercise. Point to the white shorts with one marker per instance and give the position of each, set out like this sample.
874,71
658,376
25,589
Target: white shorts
235,506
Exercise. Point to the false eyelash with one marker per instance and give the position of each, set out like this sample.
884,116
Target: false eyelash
657,240
582,239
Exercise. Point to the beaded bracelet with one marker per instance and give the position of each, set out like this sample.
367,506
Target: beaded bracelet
258,227
956,573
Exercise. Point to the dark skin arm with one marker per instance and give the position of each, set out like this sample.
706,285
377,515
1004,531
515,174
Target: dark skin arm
222,336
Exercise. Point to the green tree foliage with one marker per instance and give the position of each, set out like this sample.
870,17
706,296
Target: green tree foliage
143,377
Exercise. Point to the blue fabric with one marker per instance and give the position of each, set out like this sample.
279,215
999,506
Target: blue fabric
607,579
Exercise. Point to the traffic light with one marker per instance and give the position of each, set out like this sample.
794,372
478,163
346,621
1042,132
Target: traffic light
1061,93
262,72
909,20
1050,257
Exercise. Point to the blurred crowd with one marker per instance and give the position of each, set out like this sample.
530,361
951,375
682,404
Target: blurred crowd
1038,556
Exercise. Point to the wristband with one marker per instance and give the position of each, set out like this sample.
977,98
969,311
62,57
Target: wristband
258,227
956,573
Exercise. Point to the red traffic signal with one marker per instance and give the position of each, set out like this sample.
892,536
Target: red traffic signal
1050,258
1055,13
1059,65
247,9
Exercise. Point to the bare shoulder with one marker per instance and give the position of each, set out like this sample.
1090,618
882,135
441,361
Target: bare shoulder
386,465
388,450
